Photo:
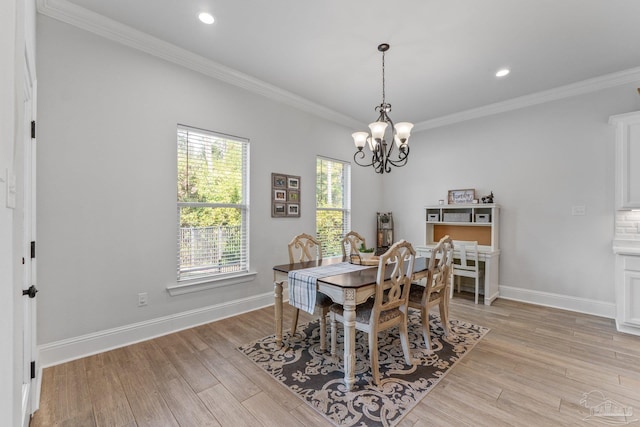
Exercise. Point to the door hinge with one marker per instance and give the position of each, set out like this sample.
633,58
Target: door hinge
33,250
33,129
33,369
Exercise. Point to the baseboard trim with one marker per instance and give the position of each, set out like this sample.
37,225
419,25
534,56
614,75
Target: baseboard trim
54,353
564,302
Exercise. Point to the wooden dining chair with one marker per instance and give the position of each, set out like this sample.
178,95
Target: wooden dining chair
435,291
388,308
304,247
466,264
351,244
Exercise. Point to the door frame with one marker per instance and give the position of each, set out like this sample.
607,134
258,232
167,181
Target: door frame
30,386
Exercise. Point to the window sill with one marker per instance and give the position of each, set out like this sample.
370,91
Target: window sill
204,283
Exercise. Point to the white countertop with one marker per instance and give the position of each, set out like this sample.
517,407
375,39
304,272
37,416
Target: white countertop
626,247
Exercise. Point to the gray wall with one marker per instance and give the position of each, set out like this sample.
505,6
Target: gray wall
539,162
106,179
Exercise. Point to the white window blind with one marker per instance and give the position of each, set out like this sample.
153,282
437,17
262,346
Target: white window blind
333,204
212,204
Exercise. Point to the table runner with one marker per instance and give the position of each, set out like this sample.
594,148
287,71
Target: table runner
302,283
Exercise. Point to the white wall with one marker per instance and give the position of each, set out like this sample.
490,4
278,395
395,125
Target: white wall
106,180
539,162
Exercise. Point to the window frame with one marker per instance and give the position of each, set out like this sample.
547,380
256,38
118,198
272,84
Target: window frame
346,203
194,282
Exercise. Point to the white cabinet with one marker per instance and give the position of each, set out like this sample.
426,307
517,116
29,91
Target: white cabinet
476,222
628,292
627,168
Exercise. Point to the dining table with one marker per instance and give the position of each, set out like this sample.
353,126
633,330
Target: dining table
348,289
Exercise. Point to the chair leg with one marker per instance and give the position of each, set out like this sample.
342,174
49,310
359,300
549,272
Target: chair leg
424,314
323,330
373,356
444,315
294,321
404,339
477,287
334,334
458,280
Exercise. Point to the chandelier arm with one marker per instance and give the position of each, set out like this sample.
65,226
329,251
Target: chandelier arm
360,153
402,159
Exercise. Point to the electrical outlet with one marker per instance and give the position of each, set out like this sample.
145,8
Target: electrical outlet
142,299
578,210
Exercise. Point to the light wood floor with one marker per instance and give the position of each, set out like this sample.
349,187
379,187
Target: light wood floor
531,369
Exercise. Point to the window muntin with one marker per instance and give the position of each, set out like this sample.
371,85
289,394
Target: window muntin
212,194
333,204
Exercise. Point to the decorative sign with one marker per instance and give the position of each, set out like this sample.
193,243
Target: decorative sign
461,196
285,196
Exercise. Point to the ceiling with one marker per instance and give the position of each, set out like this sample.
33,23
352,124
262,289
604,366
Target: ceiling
443,56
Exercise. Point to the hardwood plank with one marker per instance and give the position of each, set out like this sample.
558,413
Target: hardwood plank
270,412
189,366
226,408
110,404
185,405
234,380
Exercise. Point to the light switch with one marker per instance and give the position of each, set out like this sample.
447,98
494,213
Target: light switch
578,210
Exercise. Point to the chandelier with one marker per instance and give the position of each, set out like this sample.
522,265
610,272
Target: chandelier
384,152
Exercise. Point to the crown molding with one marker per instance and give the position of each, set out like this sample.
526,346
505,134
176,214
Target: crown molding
567,91
77,16
72,14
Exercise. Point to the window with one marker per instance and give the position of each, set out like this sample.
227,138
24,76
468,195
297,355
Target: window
333,204
213,177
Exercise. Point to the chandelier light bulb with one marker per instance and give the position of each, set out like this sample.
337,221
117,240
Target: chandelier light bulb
403,130
359,139
378,129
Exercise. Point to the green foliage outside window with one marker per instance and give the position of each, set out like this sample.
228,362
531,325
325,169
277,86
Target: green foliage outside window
332,213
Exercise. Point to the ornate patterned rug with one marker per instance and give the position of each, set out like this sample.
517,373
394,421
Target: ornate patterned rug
316,376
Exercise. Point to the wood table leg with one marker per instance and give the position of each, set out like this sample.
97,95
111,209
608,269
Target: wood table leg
277,287
349,339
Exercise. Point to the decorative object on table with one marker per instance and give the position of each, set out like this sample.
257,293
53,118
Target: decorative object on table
359,259
317,377
285,196
383,154
461,196
385,232
488,199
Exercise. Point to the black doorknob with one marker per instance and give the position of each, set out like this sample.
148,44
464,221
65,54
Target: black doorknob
32,291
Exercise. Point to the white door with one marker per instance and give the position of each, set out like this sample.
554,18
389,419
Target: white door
29,402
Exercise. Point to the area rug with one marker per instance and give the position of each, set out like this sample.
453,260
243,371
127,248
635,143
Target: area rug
317,377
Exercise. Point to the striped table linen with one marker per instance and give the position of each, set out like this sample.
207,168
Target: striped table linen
302,283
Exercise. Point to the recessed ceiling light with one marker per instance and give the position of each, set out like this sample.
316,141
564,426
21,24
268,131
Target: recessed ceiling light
205,17
503,72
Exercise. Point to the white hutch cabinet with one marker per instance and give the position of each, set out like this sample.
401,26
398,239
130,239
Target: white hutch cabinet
476,222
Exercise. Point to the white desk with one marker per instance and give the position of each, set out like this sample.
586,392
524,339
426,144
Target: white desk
491,260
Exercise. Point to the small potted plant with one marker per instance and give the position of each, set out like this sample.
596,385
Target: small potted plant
366,253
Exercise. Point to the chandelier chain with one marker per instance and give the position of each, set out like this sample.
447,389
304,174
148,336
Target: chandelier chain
383,93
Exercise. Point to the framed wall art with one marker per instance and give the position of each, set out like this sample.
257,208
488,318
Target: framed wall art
461,196
285,196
